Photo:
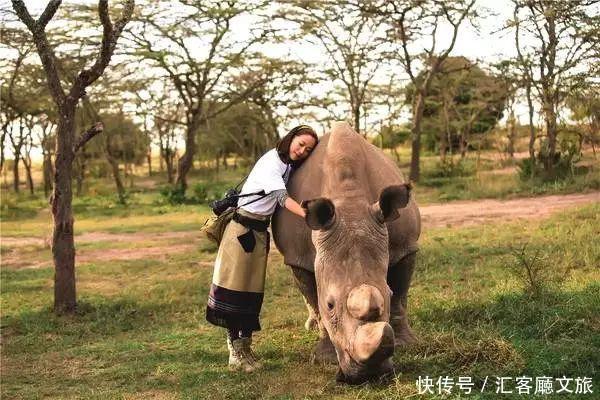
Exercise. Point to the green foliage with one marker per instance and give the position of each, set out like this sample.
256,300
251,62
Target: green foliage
244,130
563,162
464,100
391,137
173,194
536,271
202,193
449,168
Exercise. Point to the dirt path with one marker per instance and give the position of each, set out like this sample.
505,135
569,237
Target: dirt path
464,213
453,214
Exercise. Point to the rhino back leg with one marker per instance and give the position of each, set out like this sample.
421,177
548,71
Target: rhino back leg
398,278
306,282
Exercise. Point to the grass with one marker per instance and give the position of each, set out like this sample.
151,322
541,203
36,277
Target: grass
140,331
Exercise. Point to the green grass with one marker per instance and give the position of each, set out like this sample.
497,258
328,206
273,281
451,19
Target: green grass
140,330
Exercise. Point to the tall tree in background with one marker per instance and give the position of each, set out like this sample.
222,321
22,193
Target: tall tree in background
63,247
276,83
15,102
557,44
414,26
169,35
510,80
350,41
464,100
585,110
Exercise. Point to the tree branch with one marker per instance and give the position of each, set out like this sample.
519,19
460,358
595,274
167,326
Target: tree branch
44,49
23,14
110,35
48,14
95,129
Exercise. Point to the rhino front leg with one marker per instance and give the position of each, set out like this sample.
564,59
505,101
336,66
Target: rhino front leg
398,278
324,350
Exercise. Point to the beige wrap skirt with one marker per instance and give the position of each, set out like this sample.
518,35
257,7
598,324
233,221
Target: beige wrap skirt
237,289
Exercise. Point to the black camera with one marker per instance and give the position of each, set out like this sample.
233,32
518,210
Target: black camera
230,200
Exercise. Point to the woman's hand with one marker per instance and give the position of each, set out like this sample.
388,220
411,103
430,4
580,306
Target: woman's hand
294,207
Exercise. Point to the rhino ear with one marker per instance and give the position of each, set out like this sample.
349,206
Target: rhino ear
390,200
320,213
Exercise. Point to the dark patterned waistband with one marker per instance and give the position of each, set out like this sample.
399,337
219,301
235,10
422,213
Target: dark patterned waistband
251,223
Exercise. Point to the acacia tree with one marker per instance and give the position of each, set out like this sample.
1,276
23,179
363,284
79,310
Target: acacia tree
585,110
15,104
509,78
168,36
46,140
276,83
557,48
350,41
414,27
463,100
63,248
17,137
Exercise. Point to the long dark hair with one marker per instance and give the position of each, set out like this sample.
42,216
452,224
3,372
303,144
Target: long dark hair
283,146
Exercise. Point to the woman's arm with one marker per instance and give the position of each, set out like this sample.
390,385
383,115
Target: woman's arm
286,201
294,207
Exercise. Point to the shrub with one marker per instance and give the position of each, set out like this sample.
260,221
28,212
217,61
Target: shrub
449,168
536,271
563,162
173,195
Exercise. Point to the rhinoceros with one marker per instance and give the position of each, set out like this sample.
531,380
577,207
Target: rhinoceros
354,255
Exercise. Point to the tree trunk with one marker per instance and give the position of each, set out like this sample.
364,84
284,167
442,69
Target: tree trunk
114,166
47,171
2,139
168,157
445,135
187,160
81,164
463,143
512,134
551,131
27,164
356,114
161,163
16,178
419,106
149,158
531,129
63,246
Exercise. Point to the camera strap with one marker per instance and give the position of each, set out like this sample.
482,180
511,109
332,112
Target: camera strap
260,193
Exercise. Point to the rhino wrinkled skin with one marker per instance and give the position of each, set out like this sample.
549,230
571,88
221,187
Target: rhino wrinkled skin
354,255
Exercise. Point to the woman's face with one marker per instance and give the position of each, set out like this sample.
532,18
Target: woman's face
301,146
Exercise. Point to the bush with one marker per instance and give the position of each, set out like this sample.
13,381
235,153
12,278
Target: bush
173,195
536,271
563,162
448,168
201,193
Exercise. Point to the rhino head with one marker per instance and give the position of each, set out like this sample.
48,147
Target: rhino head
351,242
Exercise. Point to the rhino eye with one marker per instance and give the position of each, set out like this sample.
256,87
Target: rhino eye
330,305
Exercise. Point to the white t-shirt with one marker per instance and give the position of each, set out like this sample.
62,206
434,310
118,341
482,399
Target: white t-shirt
269,174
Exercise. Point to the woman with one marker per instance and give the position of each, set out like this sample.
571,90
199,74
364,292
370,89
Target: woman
236,292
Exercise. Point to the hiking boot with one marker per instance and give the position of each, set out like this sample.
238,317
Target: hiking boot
240,358
251,354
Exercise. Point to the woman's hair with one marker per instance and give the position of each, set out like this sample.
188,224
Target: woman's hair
283,146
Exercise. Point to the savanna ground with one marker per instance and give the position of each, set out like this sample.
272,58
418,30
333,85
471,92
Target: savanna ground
143,273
